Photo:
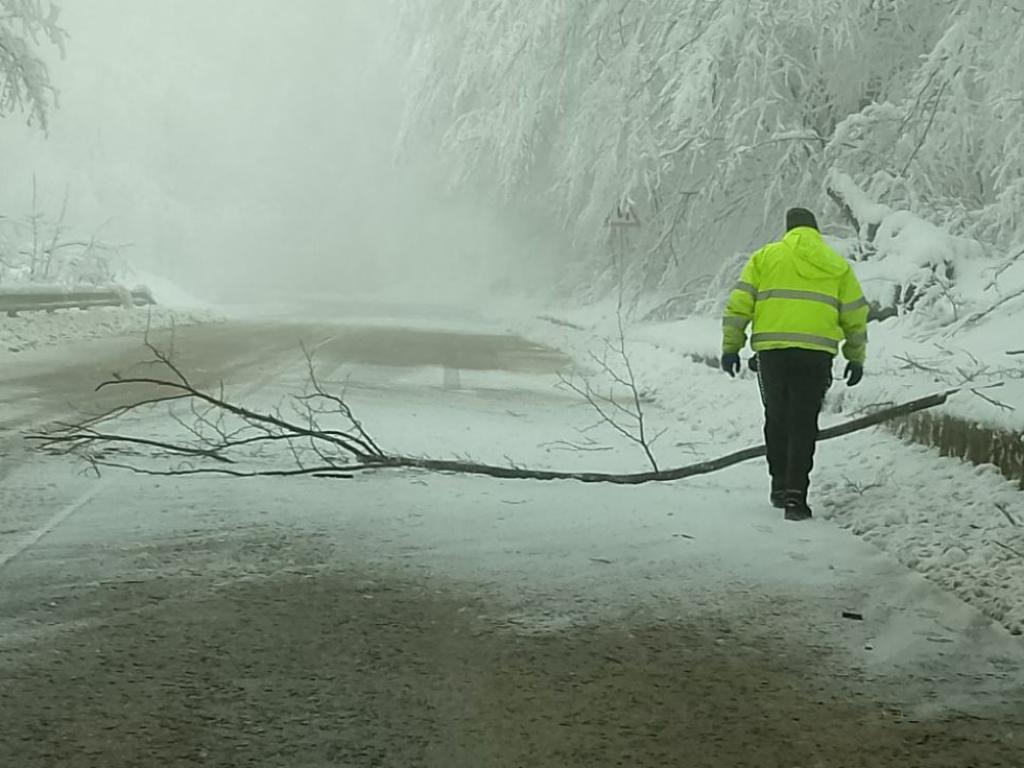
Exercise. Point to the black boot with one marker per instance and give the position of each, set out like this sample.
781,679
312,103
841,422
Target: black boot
796,507
778,499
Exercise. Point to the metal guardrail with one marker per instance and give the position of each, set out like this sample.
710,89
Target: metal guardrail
52,299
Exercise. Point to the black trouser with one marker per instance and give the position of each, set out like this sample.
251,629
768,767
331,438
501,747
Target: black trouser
793,385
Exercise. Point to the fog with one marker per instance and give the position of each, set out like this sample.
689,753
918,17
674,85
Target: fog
247,150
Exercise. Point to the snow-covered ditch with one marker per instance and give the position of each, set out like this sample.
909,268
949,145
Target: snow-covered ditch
961,525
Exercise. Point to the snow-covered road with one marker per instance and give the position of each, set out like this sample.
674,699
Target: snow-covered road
412,619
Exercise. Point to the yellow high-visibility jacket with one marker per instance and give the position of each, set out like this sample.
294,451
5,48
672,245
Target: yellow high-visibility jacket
798,293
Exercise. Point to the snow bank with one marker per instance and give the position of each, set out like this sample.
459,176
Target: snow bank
32,330
167,293
952,314
941,516
868,213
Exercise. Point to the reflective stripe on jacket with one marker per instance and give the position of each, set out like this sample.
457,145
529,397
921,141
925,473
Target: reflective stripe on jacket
798,293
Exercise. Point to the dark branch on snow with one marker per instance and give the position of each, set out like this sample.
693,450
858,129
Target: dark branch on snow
215,449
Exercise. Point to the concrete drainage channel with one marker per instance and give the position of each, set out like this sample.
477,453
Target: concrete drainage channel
952,436
965,440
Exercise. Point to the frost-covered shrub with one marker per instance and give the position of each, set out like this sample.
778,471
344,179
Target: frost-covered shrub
42,249
918,268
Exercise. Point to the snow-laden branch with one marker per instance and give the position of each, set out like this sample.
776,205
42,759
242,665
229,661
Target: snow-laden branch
747,104
24,77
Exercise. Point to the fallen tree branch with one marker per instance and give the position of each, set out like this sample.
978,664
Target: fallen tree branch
680,473
81,440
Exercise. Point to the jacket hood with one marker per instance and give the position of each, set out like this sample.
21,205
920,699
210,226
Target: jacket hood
814,258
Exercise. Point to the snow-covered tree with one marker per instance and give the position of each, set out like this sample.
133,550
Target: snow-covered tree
951,145
709,116
25,84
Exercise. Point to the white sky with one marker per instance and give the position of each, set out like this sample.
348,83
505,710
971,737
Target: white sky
240,141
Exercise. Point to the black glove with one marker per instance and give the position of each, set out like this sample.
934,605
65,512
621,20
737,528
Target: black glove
731,363
854,373
753,364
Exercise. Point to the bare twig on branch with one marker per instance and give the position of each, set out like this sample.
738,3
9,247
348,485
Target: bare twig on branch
318,397
585,445
881,480
844,208
977,391
217,449
1008,548
997,273
967,377
211,438
1006,513
924,134
629,420
912,363
982,314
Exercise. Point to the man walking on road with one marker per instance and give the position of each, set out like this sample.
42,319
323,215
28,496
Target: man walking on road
803,300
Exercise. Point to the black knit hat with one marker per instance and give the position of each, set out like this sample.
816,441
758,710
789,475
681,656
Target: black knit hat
800,217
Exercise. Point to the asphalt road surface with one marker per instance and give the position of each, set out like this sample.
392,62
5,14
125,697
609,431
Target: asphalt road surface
196,637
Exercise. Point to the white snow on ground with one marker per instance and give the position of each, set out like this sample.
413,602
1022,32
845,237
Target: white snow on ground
939,516
559,554
960,308
383,310
32,330
166,292
974,360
